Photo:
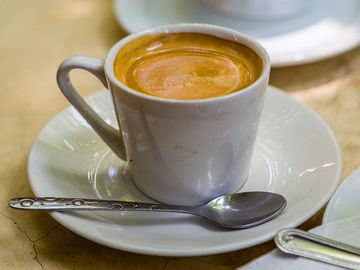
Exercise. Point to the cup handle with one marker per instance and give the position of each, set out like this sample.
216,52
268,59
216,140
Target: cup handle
111,136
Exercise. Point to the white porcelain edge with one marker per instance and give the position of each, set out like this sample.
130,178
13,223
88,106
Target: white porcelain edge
340,193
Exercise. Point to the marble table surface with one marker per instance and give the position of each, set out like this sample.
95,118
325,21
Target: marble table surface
35,36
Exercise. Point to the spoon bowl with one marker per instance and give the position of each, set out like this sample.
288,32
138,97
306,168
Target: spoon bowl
234,211
243,210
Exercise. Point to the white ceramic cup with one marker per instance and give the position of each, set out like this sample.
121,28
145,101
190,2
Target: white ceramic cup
178,151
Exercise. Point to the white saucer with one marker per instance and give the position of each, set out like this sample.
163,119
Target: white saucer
345,202
296,155
327,28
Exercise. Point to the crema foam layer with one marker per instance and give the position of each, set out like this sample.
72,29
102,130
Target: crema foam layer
186,66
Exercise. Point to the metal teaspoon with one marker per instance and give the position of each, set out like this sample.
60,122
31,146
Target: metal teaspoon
316,247
235,211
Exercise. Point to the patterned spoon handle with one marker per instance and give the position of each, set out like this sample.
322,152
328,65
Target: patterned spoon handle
78,204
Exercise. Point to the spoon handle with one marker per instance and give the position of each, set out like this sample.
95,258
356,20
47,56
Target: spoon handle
308,245
78,204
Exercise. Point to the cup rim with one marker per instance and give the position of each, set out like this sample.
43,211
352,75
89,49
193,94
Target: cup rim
214,30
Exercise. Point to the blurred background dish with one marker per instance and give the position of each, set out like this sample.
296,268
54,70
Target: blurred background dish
322,29
340,222
345,203
260,9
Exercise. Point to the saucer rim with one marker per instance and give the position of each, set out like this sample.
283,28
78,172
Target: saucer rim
65,219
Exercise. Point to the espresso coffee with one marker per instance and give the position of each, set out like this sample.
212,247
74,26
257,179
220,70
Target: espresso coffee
186,66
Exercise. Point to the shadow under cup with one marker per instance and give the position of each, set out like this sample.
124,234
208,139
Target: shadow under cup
181,151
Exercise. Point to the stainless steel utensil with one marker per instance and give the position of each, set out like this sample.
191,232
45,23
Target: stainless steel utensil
308,245
235,211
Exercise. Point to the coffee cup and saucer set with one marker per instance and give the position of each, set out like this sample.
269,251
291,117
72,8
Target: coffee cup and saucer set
128,143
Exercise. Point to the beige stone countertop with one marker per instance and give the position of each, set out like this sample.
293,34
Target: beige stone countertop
35,36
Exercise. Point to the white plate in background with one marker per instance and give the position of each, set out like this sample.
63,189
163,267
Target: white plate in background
326,29
345,202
